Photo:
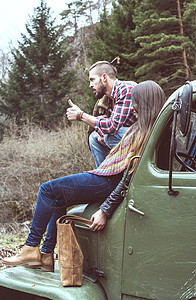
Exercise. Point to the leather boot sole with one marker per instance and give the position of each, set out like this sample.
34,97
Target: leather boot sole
40,267
47,269
24,263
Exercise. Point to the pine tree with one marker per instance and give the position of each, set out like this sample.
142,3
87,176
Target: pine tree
162,53
75,10
79,13
37,80
189,21
113,37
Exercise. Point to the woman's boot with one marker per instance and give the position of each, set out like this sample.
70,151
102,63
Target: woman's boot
28,256
47,262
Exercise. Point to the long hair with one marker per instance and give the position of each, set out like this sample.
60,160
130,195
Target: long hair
147,99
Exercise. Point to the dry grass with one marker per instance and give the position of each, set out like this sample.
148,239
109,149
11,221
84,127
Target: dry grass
30,156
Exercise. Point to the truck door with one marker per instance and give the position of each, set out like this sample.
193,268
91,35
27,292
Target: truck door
160,246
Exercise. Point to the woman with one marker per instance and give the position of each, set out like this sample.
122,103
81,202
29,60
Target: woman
93,186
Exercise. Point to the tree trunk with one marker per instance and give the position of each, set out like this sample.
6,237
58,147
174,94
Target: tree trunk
182,34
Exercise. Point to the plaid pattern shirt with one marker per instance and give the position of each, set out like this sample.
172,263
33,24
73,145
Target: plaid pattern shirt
121,109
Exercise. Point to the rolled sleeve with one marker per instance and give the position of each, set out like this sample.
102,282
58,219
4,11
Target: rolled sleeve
122,113
97,126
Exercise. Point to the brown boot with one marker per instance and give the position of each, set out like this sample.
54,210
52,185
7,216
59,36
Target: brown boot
28,256
47,262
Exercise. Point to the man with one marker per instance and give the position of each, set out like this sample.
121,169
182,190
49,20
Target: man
108,130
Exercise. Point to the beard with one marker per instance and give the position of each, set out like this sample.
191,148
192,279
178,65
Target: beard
102,91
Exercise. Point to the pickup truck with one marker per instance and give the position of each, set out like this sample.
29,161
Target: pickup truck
148,248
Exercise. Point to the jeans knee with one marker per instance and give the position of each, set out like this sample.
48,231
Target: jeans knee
108,139
43,187
44,190
93,138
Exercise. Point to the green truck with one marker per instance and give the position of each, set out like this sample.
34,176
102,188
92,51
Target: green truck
148,248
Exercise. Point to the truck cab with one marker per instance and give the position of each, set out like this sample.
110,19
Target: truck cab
147,249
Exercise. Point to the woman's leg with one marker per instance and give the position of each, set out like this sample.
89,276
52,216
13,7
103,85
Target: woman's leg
54,196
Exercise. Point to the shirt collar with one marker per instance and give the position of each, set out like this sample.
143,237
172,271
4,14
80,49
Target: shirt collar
114,88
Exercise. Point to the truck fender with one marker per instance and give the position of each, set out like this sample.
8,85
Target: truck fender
45,284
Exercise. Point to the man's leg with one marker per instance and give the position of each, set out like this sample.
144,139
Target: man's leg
99,151
112,140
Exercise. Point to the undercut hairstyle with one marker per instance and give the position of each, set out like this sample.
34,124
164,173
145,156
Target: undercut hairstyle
104,67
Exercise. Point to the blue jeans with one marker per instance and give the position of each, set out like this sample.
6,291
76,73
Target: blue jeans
100,151
56,195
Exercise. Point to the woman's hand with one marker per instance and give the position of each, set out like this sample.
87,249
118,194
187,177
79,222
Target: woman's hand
99,220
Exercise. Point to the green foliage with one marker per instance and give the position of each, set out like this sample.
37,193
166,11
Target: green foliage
90,99
37,80
113,37
71,15
189,21
161,44
77,10
152,40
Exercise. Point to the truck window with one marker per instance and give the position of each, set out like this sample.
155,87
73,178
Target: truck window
184,145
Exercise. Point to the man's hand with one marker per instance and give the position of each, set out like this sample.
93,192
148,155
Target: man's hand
99,220
72,111
101,140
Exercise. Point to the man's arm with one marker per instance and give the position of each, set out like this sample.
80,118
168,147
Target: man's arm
122,114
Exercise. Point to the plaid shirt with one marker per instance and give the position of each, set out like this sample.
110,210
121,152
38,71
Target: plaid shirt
122,113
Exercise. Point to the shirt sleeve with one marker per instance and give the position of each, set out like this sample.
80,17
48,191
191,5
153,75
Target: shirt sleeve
123,111
97,126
